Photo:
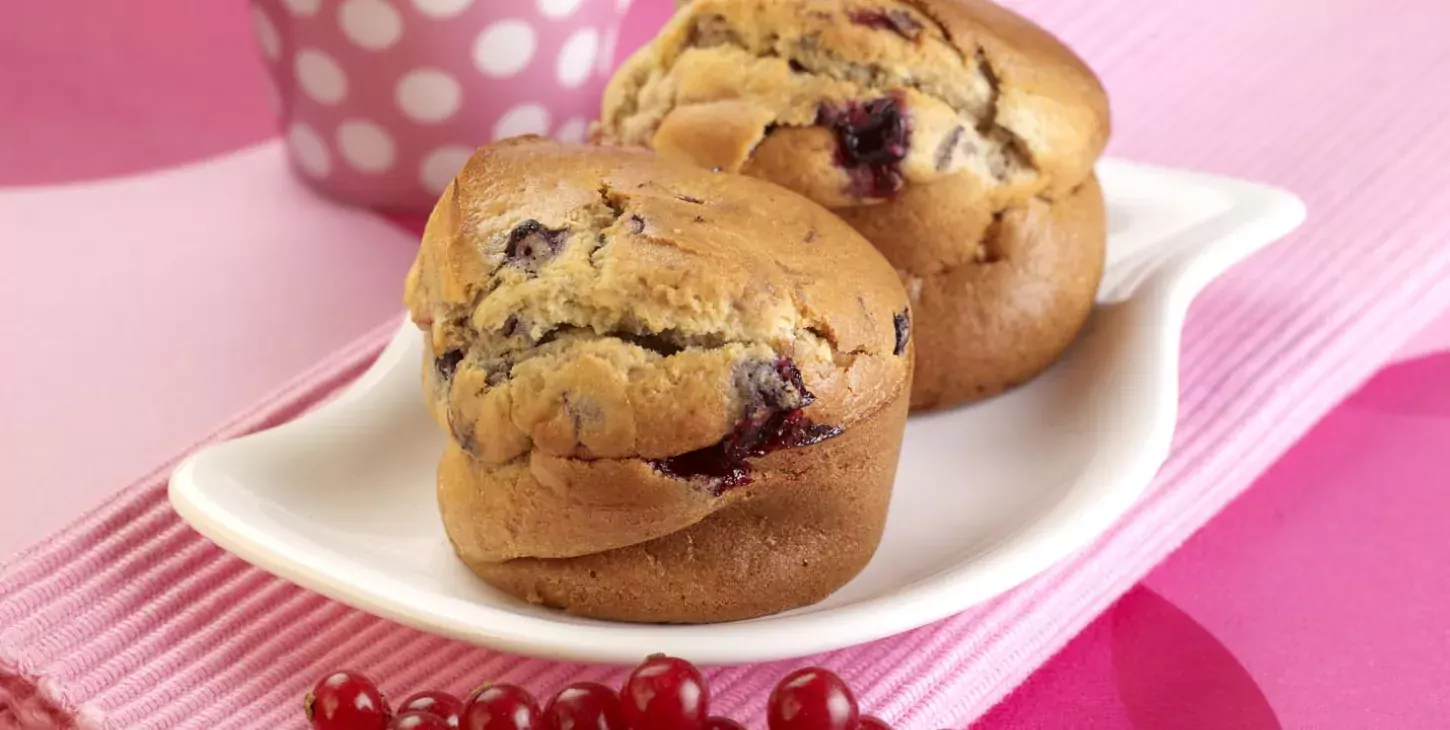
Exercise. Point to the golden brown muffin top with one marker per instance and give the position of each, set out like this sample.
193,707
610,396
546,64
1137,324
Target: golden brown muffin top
596,303
848,101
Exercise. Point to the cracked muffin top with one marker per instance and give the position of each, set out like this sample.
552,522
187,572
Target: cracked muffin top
849,101
603,304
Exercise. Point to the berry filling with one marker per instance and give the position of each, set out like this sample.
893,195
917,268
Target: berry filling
776,385
871,141
531,245
725,464
774,420
902,322
447,364
898,21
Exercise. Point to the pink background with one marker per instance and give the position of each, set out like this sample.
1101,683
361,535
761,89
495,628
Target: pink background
140,313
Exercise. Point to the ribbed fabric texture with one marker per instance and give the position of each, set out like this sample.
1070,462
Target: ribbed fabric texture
129,620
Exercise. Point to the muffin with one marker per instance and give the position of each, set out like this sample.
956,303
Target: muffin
671,395
956,136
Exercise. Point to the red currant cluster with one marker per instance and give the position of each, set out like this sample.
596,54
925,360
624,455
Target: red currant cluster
663,693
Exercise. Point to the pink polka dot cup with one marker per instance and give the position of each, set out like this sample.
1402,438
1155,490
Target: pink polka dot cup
381,101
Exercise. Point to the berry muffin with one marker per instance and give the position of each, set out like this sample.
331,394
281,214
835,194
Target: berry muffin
956,136
671,395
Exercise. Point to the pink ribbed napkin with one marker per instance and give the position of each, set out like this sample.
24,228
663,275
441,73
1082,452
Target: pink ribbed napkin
129,620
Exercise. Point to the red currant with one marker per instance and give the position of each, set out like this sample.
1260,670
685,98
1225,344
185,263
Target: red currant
419,721
722,723
871,722
812,699
585,706
665,693
500,707
346,701
438,703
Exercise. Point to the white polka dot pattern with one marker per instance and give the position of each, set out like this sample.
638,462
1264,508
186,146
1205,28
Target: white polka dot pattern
428,95
371,24
267,35
442,8
308,150
441,165
558,8
605,60
382,101
522,119
576,60
303,8
320,76
504,48
274,97
573,130
365,145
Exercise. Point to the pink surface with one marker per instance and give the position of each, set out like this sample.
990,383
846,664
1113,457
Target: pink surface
93,88
1322,587
140,311
133,621
1432,339
114,95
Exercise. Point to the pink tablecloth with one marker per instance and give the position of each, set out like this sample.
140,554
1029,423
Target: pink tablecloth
1220,86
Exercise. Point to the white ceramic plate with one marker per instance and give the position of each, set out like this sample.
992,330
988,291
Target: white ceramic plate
342,500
